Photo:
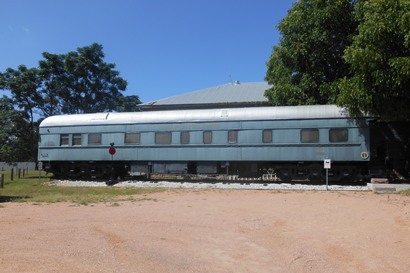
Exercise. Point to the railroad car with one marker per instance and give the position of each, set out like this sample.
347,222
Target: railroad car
289,143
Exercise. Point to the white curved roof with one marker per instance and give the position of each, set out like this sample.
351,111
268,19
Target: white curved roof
229,114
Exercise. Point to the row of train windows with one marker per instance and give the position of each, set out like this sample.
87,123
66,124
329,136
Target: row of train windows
306,136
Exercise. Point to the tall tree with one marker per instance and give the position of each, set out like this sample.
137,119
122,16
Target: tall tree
24,84
20,125
16,141
91,84
53,77
304,66
380,61
77,82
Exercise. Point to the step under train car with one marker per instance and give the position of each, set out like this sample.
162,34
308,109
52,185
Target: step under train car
288,142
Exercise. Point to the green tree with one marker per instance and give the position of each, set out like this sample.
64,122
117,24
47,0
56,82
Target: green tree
16,142
92,85
127,104
77,82
379,59
304,67
2,81
52,90
27,89
24,84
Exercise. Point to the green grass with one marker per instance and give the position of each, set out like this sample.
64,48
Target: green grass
33,188
406,192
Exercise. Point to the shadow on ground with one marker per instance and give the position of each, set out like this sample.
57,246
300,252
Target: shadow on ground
5,199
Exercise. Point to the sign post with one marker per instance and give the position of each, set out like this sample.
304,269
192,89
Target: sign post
327,165
112,152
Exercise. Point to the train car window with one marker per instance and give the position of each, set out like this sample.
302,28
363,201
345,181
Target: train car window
309,135
76,139
207,137
232,137
338,135
163,138
94,139
267,136
132,138
184,137
64,140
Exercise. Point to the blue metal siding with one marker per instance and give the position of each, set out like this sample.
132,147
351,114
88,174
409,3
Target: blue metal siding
285,144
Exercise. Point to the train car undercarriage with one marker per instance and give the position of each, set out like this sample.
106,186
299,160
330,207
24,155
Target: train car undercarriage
267,171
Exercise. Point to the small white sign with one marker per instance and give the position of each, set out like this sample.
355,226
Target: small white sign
327,163
40,166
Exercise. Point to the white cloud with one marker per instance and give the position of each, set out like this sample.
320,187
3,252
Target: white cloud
23,29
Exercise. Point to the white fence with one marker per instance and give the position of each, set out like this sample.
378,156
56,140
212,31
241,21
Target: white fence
5,166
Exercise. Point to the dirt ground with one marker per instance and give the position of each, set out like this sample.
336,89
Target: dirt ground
211,231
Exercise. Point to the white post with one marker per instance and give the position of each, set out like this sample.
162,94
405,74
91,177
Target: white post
327,165
327,178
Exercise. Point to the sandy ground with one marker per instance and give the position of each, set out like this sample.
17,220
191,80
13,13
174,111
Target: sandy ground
211,231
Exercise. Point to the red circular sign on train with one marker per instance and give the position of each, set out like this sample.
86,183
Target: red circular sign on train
112,150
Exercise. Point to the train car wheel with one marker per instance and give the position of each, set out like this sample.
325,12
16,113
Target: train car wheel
285,175
315,173
302,173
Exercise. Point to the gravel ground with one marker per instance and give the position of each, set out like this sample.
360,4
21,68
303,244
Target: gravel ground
211,230
246,185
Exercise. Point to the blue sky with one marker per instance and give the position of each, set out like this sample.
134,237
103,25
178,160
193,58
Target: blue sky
162,48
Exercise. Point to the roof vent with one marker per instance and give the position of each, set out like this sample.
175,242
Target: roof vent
237,83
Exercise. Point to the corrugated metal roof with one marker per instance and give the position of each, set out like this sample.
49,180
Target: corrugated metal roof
227,93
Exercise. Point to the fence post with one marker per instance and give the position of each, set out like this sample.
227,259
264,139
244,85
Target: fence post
12,174
1,180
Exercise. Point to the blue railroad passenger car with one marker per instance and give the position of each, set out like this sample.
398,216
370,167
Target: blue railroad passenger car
290,141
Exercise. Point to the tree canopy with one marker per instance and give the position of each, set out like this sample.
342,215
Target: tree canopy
91,85
304,66
16,135
353,53
379,60
77,82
